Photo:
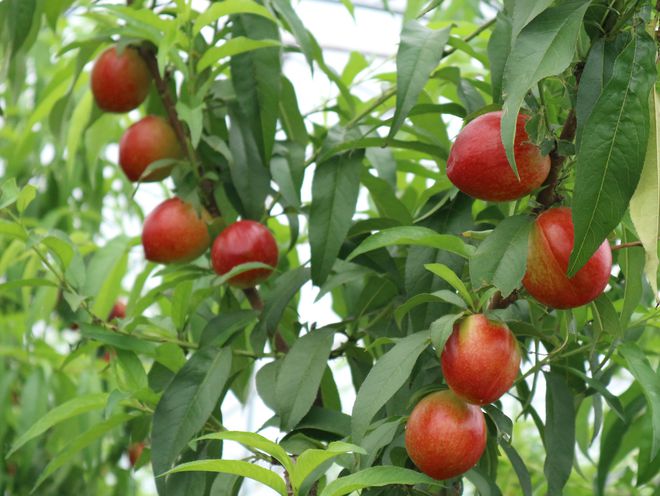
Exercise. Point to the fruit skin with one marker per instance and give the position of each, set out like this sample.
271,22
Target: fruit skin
477,163
148,140
444,435
118,311
242,242
550,246
134,452
173,232
120,82
480,360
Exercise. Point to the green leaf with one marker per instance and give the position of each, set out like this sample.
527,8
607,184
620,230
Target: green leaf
605,317
441,329
244,469
485,485
419,54
519,466
232,47
591,85
21,13
116,340
310,459
611,155
288,170
650,381
25,197
525,12
450,276
543,48
81,442
186,405
412,235
559,433
389,373
501,259
302,35
645,202
256,78
72,408
220,329
300,375
443,295
383,195
229,7
335,190
8,192
105,272
249,174
255,441
284,289
499,47
377,477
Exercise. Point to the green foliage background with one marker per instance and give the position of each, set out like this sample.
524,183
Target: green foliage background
584,418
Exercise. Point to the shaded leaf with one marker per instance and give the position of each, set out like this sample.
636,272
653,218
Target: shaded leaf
559,433
300,375
334,195
72,408
389,373
244,469
501,259
645,202
377,477
611,155
186,405
412,235
419,53
543,48
650,381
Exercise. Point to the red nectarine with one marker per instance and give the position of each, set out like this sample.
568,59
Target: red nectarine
550,246
174,233
146,141
480,360
120,82
478,166
242,242
444,435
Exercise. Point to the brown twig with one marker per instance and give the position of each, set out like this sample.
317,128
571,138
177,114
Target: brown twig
206,186
626,245
548,196
499,302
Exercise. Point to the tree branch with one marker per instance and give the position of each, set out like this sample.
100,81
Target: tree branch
548,196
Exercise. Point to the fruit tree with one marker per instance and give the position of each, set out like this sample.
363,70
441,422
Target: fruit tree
240,259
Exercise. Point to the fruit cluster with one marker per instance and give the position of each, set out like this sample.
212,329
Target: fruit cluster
173,232
446,431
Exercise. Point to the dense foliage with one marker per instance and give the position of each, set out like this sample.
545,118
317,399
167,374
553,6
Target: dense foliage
401,252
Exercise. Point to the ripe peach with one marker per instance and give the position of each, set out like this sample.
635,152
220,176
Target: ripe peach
480,360
444,435
478,166
120,82
174,233
550,246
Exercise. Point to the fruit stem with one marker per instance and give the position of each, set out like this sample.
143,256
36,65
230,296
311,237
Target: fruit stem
206,185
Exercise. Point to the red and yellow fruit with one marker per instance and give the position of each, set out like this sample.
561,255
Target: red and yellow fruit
243,242
444,435
550,246
478,166
174,232
145,142
120,82
480,360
